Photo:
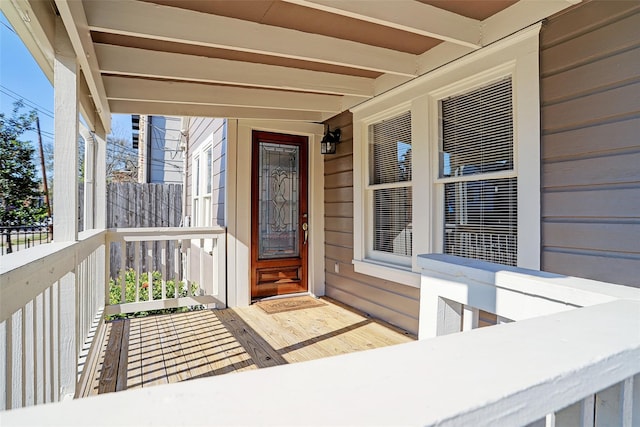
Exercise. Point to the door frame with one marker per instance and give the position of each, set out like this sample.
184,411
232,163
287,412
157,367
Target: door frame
238,204
257,264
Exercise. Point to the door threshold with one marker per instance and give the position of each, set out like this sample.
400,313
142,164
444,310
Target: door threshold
296,294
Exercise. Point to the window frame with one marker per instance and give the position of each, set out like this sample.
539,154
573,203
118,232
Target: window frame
371,253
517,56
200,198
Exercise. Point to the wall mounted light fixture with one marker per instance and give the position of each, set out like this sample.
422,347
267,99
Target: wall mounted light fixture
329,141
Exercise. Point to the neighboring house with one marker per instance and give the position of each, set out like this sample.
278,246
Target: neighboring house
206,140
158,140
487,169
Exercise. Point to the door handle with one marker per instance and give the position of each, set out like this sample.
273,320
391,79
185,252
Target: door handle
305,228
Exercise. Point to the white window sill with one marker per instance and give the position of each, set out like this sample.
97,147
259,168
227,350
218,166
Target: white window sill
389,272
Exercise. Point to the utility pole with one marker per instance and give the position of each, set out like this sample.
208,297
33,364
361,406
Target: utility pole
44,170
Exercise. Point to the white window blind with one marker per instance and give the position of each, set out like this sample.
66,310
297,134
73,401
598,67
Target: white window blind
390,184
477,131
477,139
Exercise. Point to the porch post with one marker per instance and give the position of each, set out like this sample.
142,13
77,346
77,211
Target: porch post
65,153
65,199
89,177
100,195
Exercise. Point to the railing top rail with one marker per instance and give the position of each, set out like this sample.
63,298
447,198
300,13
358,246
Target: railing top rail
25,274
163,233
570,290
513,374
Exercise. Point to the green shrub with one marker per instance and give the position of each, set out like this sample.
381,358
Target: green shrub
115,292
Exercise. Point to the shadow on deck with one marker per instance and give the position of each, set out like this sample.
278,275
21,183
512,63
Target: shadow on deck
171,348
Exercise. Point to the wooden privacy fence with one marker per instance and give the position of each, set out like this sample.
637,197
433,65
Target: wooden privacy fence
134,205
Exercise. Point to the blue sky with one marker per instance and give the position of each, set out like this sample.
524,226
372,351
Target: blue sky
21,77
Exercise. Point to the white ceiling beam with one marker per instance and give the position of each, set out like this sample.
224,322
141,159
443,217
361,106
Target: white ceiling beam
145,63
75,22
151,21
193,110
123,88
406,15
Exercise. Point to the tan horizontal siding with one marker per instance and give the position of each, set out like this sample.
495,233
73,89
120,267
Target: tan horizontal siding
344,194
599,107
603,169
337,180
590,120
613,203
620,135
339,224
591,46
611,237
339,239
392,302
605,266
617,70
585,19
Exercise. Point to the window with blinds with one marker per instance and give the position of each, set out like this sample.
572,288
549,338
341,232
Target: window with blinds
390,184
476,165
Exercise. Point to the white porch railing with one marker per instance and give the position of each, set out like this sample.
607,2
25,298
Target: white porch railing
569,358
52,301
454,289
167,268
507,375
50,296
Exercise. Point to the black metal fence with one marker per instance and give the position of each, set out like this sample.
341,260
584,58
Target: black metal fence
16,237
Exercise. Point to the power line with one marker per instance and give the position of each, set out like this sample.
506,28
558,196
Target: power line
26,101
10,29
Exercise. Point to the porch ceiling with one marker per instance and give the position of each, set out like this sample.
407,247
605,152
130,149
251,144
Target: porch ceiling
287,59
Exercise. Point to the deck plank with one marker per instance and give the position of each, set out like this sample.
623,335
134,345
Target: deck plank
153,368
134,367
174,360
182,346
195,357
109,373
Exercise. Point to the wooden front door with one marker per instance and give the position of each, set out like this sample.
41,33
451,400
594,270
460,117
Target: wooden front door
279,220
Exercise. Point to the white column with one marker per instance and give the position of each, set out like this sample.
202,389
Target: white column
65,154
65,198
100,195
89,177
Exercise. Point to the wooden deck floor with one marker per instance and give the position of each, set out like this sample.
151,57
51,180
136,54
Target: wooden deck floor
177,347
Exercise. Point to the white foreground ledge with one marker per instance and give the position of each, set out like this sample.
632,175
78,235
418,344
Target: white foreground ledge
510,374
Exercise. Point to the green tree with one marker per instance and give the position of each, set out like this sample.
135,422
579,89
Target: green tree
18,183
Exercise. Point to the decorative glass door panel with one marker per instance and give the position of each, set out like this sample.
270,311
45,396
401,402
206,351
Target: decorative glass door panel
279,208
279,224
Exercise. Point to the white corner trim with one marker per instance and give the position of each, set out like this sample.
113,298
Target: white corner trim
387,272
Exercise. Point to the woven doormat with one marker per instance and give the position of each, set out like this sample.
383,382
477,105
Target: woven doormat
289,304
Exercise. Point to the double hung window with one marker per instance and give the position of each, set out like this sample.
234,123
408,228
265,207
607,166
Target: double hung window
390,186
202,186
476,168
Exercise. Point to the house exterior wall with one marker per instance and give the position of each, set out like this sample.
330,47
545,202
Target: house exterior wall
165,155
393,302
590,120
159,153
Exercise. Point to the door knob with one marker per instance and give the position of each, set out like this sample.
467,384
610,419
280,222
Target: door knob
305,228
